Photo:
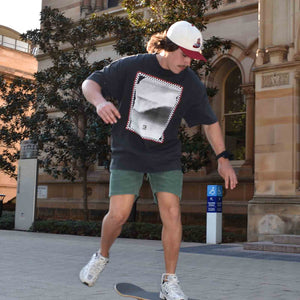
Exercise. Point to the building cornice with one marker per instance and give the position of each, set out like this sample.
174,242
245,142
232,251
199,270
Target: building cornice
276,199
13,73
271,67
231,11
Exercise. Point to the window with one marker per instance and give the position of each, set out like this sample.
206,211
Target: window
112,3
235,115
14,44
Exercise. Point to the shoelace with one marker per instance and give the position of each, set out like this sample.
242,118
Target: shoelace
173,286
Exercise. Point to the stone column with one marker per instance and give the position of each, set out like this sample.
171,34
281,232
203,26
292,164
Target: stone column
105,4
275,206
277,54
86,7
248,90
99,5
297,129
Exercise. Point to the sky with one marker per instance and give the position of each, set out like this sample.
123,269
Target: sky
20,15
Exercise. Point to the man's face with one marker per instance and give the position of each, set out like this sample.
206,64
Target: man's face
176,61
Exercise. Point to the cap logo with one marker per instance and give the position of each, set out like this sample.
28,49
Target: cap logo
197,44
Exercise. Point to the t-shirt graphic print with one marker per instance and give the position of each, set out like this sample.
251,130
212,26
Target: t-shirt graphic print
153,104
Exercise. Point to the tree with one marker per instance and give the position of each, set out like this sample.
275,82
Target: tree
70,136
17,98
52,110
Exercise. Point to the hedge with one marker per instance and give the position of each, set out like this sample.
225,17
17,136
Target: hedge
191,233
7,220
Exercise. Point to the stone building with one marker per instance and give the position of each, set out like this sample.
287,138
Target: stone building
257,106
16,60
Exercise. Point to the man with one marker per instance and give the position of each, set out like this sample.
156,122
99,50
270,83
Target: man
155,91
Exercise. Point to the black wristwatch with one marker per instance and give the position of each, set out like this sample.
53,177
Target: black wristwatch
224,154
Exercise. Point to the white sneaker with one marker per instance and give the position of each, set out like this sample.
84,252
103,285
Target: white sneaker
170,288
90,273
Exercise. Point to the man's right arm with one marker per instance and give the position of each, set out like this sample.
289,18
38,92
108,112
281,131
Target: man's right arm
105,109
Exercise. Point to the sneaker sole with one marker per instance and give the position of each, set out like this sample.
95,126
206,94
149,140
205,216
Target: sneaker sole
83,281
161,296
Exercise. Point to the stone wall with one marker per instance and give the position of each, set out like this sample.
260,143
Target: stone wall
275,207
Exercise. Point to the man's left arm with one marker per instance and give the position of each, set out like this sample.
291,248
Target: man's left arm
215,137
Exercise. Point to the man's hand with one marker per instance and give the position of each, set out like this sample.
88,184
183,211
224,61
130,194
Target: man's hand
105,109
108,112
226,171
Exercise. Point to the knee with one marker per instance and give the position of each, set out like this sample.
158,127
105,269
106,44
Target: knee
118,218
175,214
172,214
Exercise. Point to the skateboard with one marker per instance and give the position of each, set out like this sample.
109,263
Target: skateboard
135,292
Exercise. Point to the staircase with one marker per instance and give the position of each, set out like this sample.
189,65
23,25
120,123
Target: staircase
280,243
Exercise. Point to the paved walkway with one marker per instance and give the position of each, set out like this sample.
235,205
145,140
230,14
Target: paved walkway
46,266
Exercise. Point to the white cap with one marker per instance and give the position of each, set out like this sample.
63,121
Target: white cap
188,38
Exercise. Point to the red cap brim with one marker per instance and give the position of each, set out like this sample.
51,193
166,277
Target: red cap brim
193,54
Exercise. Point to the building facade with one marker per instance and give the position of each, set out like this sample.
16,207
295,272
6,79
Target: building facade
275,207
16,60
257,106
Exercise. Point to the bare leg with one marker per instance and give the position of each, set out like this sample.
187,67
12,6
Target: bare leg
119,210
169,208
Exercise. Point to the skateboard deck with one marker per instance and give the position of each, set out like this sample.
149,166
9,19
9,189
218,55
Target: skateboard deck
135,292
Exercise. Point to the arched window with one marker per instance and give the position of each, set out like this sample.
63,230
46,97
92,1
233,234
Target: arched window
112,3
235,115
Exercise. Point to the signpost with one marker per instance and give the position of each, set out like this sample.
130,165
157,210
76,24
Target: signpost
214,214
26,189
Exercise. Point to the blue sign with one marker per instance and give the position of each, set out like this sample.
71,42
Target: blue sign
214,198
215,190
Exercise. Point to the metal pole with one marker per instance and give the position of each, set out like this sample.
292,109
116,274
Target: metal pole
214,214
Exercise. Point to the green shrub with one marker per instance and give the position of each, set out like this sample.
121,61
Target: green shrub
141,231
68,227
191,233
194,233
7,220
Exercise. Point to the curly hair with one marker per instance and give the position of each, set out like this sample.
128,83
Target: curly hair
159,42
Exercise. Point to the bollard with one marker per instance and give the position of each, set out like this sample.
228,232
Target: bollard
214,214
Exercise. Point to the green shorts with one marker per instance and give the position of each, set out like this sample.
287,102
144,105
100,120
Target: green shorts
124,182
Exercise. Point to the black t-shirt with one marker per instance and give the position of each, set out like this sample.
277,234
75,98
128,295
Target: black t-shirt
152,103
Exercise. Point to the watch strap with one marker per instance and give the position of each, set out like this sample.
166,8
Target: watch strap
224,154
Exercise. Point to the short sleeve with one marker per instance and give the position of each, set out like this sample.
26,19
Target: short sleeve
110,78
199,111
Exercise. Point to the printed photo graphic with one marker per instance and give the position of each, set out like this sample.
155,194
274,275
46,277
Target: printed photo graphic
152,106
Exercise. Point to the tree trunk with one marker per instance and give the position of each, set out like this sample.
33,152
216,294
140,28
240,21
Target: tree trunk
85,194
82,124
